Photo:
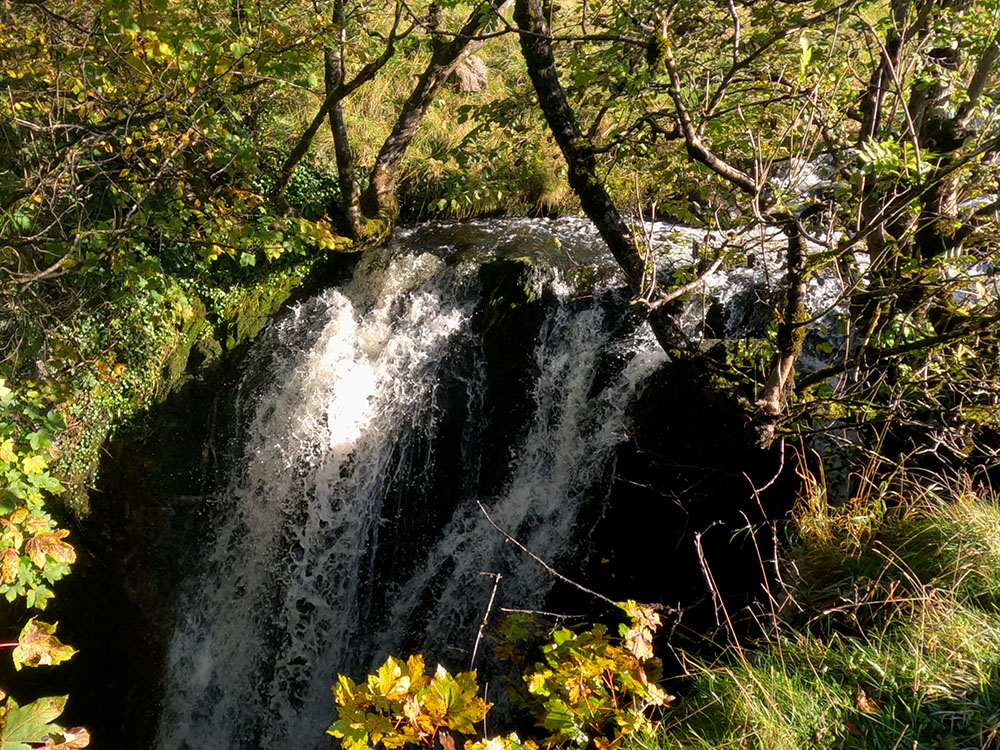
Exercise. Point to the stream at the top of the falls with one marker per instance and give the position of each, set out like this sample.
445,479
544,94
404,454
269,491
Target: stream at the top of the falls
350,525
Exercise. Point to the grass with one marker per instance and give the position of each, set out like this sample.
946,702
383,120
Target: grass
452,168
890,637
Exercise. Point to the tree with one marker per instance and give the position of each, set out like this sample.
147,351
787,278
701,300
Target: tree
903,152
371,214
131,141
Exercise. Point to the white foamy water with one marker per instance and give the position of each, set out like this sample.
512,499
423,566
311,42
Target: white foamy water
339,428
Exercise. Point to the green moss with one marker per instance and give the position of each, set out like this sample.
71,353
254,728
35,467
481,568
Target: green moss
80,446
376,231
174,338
251,310
189,334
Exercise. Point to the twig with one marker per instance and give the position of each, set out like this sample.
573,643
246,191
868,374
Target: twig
486,696
543,613
486,616
781,467
675,293
48,272
736,33
557,615
542,562
706,573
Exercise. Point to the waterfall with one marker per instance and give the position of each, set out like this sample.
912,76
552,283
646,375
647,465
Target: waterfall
563,458
350,526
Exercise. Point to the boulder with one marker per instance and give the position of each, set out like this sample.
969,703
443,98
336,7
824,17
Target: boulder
469,75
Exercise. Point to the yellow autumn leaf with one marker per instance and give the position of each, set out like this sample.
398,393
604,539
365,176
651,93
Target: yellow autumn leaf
35,524
37,646
7,451
33,464
12,537
72,739
9,563
52,545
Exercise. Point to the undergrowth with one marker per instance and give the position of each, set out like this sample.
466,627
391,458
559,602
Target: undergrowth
496,157
886,635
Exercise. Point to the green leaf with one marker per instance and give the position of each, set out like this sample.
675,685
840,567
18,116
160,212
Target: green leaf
562,635
441,695
352,734
31,722
38,596
806,55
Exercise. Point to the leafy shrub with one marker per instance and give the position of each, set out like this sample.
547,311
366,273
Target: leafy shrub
588,688
33,551
400,705
31,725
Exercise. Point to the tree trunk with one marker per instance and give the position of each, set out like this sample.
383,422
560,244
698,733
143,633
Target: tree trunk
582,165
579,155
791,329
379,199
332,99
881,80
350,191
942,132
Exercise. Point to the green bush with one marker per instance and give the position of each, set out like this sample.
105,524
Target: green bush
589,688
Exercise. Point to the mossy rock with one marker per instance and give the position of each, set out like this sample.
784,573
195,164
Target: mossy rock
189,334
251,313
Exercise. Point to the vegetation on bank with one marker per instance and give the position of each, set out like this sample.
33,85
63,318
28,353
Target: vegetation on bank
885,633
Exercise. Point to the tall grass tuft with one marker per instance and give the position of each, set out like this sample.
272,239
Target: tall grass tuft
889,636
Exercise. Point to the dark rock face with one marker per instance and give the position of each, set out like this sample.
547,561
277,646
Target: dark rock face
508,320
686,479
134,549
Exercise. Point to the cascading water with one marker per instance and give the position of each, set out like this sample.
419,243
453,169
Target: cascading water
281,598
333,545
563,460
373,426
